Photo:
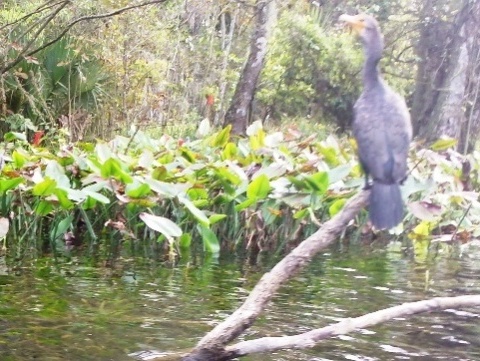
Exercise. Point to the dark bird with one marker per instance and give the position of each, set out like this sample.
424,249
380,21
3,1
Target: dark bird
382,129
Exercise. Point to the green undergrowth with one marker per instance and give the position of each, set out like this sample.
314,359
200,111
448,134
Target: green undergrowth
166,196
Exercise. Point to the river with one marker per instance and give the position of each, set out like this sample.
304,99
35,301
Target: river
72,311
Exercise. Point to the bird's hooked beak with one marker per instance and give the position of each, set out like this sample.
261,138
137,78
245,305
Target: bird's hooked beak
356,22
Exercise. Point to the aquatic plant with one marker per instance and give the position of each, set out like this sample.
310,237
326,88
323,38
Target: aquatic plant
262,192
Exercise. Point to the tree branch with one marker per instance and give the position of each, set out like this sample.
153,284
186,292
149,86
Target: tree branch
20,55
263,292
311,338
45,6
72,24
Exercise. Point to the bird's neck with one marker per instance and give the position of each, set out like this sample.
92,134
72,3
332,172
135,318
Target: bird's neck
373,53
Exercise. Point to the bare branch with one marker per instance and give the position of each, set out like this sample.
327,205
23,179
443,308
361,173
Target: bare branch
311,338
261,295
45,6
42,27
72,24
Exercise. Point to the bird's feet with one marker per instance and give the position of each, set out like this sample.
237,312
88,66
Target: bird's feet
367,186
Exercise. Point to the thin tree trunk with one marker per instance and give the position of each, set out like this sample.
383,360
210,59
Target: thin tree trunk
227,40
238,112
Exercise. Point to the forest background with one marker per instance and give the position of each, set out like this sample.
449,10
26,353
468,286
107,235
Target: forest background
155,80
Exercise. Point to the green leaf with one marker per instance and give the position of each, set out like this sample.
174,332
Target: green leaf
214,218
443,144
222,137
12,136
257,140
210,240
188,155
336,206
113,168
66,161
61,228
89,203
110,168
200,203
43,208
230,151
185,240
161,224
245,204
137,190
197,194
63,200
8,184
318,182
299,184
18,159
166,189
422,229
96,196
259,187
197,213
330,154
44,188
301,213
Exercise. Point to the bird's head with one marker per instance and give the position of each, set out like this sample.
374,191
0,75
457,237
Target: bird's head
364,25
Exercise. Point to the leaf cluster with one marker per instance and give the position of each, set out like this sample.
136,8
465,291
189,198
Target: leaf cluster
267,191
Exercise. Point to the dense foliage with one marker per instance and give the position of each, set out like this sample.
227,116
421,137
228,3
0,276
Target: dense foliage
155,66
321,84
171,195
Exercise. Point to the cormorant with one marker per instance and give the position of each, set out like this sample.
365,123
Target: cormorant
382,129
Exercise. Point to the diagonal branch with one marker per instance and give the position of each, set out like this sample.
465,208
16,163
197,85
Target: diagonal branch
14,62
45,6
263,292
20,55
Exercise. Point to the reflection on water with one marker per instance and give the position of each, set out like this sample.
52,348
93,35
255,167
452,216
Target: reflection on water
81,313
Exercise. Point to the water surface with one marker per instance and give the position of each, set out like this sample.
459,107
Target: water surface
74,312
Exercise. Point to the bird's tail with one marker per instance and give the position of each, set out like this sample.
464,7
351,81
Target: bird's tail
386,205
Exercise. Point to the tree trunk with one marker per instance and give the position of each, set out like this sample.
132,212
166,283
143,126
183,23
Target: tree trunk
447,76
238,112
227,33
430,50
469,133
